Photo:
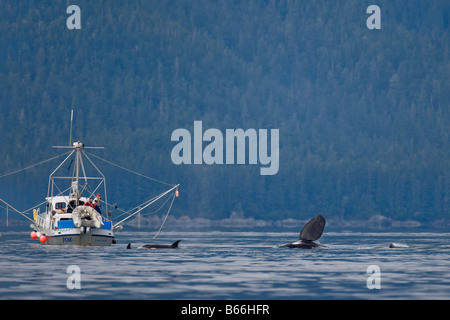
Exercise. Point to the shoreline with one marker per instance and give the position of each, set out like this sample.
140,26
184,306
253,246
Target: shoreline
239,221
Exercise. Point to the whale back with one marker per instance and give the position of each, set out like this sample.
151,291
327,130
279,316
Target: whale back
313,229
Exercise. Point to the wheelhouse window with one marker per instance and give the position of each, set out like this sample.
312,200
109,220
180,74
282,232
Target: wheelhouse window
60,205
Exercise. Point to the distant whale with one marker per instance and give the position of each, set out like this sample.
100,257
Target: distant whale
310,233
159,246
398,245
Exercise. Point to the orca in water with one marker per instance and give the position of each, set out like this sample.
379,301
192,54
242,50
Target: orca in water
310,233
159,246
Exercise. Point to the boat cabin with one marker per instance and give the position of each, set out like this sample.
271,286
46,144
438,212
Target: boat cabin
61,204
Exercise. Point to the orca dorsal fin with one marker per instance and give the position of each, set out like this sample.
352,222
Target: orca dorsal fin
313,229
175,244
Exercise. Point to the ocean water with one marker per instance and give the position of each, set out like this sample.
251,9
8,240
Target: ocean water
212,264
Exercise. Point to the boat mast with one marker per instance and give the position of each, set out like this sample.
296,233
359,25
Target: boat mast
75,190
78,146
70,135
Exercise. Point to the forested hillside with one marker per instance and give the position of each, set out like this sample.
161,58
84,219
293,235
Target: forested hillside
363,115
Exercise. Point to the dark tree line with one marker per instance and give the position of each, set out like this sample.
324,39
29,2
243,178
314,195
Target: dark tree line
363,114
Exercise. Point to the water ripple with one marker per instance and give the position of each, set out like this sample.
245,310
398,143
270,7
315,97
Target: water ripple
229,265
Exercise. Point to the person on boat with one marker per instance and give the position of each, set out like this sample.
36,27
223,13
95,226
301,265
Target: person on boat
89,203
96,204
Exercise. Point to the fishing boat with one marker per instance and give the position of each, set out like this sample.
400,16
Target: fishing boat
73,212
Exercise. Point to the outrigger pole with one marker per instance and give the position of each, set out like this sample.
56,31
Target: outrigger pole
21,213
148,204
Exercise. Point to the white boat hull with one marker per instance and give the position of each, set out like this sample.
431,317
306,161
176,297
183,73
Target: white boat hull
83,236
75,237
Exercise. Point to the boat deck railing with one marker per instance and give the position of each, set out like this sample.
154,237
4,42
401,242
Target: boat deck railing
40,221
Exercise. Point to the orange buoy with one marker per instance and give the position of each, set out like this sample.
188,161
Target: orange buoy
43,238
177,194
33,235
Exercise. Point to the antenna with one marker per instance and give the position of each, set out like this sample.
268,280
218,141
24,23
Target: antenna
70,136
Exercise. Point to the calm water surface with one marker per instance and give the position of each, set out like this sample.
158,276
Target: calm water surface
229,265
